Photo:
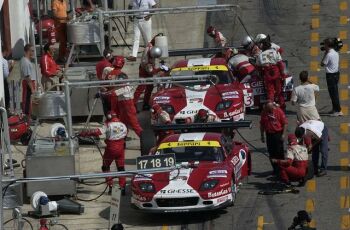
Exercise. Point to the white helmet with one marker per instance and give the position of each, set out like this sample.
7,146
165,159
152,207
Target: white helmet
260,37
247,40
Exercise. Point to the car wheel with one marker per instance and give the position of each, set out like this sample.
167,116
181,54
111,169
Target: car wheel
233,191
147,141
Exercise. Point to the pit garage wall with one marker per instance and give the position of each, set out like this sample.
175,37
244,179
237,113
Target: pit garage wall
2,97
19,26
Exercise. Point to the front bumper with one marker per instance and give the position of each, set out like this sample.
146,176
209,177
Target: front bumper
202,205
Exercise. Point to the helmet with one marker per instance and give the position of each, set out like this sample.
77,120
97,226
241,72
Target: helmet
260,37
118,62
211,30
155,52
111,114
247,40
202,114
156,108
61,131
107,53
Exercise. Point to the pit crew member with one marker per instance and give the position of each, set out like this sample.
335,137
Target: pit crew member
273,122
250,48
159,116
49,69
240,66
203,116
272,68
115,132
294,165
260,37
218,37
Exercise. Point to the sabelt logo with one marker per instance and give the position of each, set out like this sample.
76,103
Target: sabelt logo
219,193
177,191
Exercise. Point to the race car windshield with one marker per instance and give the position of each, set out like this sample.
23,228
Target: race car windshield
195,153
223,76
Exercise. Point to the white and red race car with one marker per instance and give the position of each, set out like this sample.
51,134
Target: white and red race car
227,99
218,165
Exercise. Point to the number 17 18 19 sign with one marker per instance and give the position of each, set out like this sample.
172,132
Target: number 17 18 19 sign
155,161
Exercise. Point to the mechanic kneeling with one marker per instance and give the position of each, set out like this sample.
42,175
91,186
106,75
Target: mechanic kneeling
294,166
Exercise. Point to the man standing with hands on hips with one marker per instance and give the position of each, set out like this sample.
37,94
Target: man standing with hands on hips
142,24
330,61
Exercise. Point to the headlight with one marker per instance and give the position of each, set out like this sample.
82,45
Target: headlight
146,187
210,184
223,105
168,108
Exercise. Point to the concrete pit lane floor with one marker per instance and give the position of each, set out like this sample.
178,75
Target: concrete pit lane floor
298,27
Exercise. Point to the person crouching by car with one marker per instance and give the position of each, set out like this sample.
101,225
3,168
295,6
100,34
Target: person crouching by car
295,163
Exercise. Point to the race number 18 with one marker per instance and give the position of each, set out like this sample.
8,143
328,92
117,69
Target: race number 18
155,161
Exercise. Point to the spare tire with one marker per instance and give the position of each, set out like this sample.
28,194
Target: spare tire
147,141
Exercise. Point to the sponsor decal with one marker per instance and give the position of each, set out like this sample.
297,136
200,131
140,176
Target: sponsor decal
218,172
233,113
219,193
227,95
258,91
222,199
139,197
195,100
162,98
143,177
202,68
235,160
181,178
168,145
257,84
177,191
188,112
162,102
225,185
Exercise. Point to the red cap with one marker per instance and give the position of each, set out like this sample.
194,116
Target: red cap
202,114
118,62
210,29
292,139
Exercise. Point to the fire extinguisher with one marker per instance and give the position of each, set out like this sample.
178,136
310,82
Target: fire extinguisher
43,224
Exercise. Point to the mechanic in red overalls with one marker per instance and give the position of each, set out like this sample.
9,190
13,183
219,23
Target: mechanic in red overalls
219,38
295,163
240,66
115,132
159,116
273,123
49,68
106,61
126,107
146,70
251,49
272,68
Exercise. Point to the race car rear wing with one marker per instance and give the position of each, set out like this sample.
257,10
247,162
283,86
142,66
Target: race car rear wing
203,127
198,51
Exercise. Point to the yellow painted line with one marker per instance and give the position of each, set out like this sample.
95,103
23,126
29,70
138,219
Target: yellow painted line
315,8
314,79
344,164
315,37
344,94
314,66
343,20
315,23
343,34
311,185
344,201
344,128
312,224
343,5
344,64
165,227
260,223
314,51
310,205
345,222
344,146
344,182
345,110
344,79
344,49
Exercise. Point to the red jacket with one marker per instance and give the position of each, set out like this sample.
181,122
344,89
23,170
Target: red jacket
48,66
100,66
275,122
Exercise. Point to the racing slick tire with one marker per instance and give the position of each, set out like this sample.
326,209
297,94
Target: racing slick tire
147,141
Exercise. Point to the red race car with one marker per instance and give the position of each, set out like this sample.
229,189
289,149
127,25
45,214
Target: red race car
227,99
212,167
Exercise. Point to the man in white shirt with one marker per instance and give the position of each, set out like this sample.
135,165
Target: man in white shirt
315,135
331,63
142,24
304,96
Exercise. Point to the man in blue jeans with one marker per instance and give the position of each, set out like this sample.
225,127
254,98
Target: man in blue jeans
315,134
